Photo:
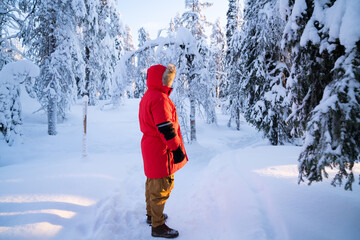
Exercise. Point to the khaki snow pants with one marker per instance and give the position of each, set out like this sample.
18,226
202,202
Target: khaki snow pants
157,191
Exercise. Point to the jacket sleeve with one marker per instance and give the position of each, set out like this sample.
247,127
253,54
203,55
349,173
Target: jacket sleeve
162,114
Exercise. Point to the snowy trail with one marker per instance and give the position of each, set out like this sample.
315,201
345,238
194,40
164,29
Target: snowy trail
197,205
235,186
220,201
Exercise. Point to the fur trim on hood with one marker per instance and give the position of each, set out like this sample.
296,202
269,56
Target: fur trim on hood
169,74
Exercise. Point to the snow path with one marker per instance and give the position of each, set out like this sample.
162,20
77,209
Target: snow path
235,186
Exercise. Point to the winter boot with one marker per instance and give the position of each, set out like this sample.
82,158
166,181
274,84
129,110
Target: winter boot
164,232
148,220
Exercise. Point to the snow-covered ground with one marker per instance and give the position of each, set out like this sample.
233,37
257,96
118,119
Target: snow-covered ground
235,186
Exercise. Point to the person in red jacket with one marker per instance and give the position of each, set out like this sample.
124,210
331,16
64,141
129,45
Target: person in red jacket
162,146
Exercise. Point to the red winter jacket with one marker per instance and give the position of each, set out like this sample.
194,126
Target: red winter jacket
159,123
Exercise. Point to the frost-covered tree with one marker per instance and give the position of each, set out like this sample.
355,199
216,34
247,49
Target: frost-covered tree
118,31
194,19
11,18
217,63
11,76
103,44
110,30
262,71
51,40
234,18
324,85
130,63
310,70
92,45
175,24
229,93
144,61
5,20
198,75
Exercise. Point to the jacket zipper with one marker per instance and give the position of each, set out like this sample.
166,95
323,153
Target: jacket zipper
168,161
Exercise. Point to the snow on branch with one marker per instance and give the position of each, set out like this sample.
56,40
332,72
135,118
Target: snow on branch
182,38
18,71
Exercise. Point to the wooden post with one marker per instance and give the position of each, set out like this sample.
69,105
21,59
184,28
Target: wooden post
84,145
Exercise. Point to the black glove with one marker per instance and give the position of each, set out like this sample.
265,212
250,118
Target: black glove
178,154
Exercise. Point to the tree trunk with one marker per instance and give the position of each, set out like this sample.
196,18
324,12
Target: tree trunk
237,118
274,136
52,116
52,94
192,120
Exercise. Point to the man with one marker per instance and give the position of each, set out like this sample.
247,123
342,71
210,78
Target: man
162,146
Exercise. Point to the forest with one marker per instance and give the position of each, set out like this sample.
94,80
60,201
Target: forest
291,68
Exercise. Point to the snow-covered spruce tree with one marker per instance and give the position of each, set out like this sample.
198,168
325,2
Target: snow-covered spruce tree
5,20
234,18
194,19
262,86
325,85
12,76
231,87
175,24
51,40
10,110
110,29
217,63
130,63
229,93
92,48
144,61
310,70
198,74
11,18
117,30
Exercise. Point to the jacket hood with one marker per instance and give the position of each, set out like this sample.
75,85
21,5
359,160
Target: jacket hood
154,79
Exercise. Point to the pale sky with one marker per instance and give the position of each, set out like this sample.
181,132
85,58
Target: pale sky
154,15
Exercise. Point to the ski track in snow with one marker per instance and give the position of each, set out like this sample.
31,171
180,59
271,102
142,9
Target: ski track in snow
235,186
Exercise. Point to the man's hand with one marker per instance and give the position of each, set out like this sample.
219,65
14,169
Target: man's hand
178,154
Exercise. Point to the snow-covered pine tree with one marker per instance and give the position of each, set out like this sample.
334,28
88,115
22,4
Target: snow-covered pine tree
110,29
92,48
130,64
174,24
234,18
144,61
117,30
119,33
202,85
310,71
325,85
217,63
10,110
231,87
229,93
11,17
12,75
197,76
194,19
5,19
262,90
51,40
